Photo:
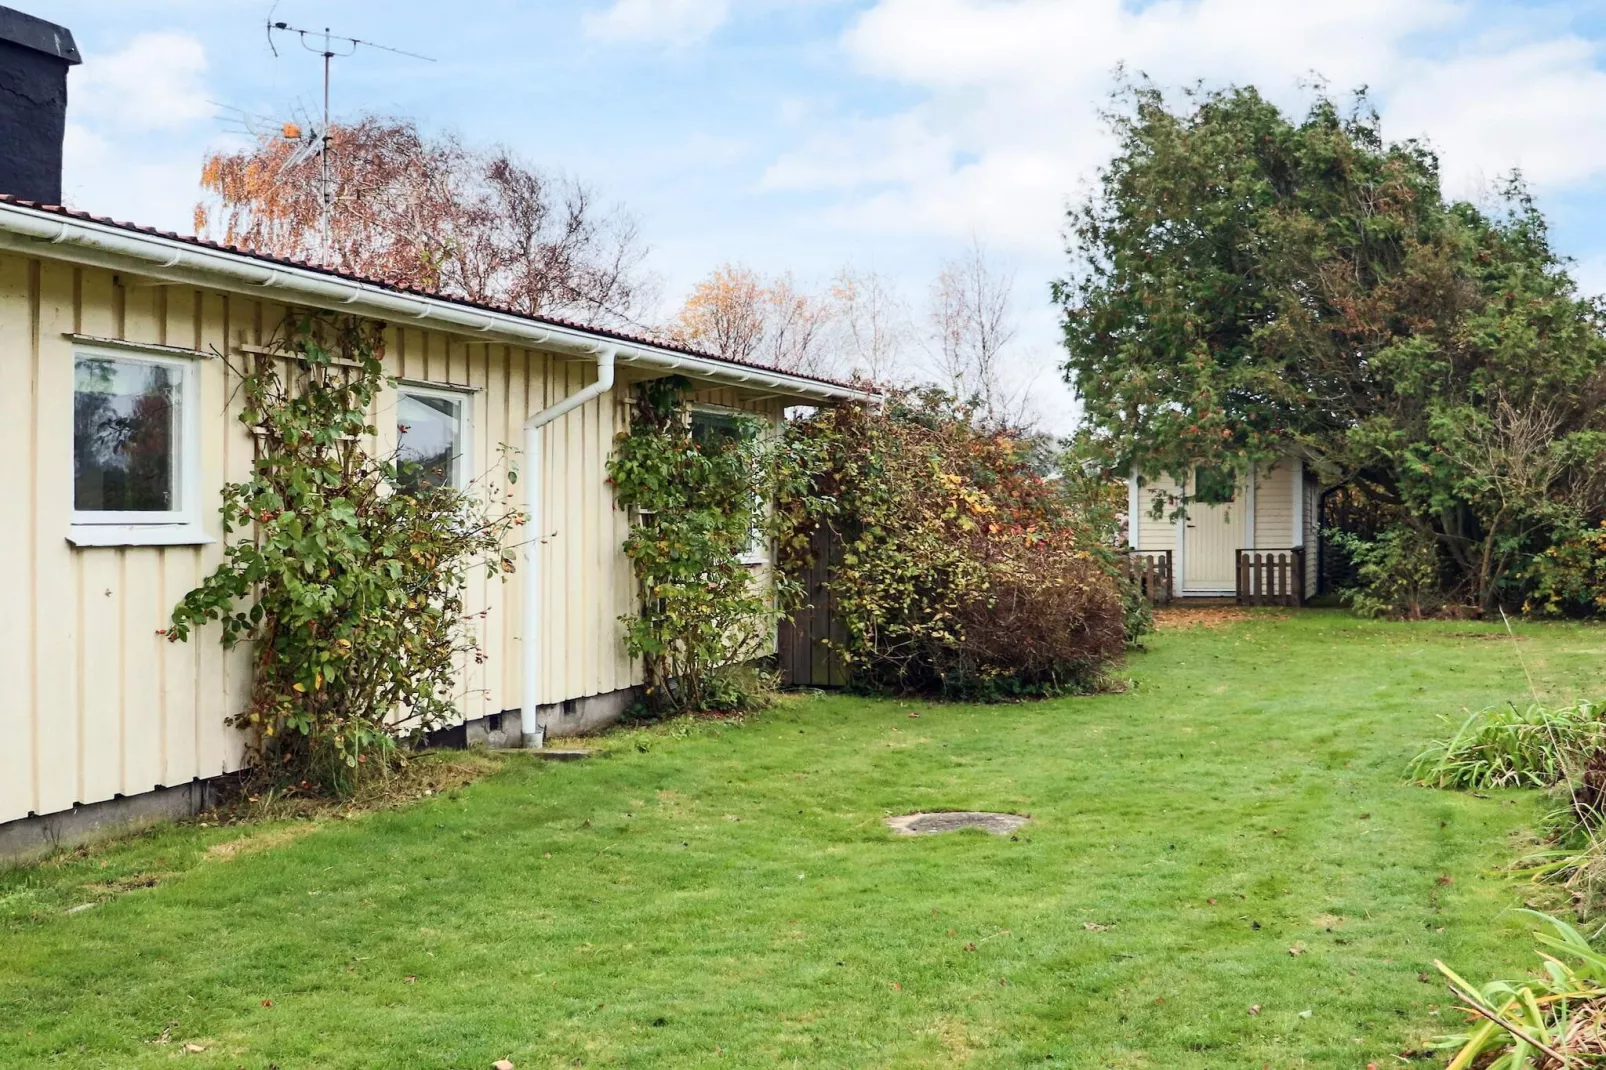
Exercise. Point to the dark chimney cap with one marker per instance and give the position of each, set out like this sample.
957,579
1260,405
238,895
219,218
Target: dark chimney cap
39,35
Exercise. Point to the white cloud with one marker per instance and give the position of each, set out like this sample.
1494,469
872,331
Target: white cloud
138,125
157,82
1540,106
1006,127
660,22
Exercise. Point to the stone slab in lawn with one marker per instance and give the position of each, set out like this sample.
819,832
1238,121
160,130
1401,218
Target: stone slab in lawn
952,820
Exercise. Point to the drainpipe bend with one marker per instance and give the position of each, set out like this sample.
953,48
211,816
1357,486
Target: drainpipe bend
530,642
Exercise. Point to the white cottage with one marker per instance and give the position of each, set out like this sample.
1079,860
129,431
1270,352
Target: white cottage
1252,538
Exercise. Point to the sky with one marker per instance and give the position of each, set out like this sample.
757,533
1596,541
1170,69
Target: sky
805,135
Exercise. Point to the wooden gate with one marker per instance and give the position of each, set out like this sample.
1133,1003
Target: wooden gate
1151,570
1271,577
805,654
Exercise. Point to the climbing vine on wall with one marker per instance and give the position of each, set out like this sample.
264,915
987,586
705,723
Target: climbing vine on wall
699,505
345,575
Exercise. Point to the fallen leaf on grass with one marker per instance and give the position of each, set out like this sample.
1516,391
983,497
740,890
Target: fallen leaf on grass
502,1064
194,1048
1297,950
1095,927
1254,1010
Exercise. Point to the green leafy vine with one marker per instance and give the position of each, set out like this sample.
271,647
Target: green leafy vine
345,574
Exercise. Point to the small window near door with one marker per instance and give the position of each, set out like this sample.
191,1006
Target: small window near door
432,437
1214,486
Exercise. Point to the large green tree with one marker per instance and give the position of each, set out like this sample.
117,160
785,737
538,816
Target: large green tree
1245,284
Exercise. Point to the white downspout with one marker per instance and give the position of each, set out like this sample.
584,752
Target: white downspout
530,642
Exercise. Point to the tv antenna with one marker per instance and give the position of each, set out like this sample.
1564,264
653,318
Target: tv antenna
320,141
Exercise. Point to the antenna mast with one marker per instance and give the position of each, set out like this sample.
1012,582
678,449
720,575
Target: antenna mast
334,47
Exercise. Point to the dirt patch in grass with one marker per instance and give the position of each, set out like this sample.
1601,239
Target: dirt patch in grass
261,841
425,775
1171,618
131,882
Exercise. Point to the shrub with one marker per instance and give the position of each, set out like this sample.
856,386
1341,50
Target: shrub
1507,747
1050,620
963,571
1569,578
349,586
696,503
1553,1018
1397,573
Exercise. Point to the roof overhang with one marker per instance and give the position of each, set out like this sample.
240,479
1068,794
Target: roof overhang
43,233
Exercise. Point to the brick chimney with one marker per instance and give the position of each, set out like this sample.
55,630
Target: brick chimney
34,57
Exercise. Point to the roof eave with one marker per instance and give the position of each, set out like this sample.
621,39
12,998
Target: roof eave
40,232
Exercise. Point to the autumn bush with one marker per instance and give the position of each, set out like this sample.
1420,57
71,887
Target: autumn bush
960,570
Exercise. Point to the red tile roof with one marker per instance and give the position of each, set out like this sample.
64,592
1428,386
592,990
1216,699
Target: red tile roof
601,332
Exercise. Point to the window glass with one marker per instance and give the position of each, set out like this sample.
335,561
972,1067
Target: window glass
714,428
1214,486
125,436
429,436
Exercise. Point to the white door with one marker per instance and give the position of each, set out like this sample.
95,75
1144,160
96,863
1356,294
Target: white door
1213,533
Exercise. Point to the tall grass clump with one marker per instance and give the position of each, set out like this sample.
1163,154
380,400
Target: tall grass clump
1508,747
1551,1019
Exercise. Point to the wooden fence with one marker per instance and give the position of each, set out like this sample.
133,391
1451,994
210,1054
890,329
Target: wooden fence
1151,570
1271,577
805,655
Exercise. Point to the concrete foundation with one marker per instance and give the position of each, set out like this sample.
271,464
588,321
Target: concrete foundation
562,720
29,839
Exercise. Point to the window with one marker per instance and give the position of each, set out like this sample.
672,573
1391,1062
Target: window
714,427
432,438
134,450
711,427
1214,486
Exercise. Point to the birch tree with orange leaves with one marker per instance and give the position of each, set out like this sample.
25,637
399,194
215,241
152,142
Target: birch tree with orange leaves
431,213
737,315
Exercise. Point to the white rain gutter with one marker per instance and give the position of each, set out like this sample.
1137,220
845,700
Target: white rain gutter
35,232
530,637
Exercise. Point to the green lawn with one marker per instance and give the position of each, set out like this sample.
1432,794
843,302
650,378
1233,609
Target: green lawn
728,895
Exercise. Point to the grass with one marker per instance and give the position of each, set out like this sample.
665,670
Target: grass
1233,833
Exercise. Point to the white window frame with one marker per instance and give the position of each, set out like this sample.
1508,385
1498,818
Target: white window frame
178,527
463,459
758,548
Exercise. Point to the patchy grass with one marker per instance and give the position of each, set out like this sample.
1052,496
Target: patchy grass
1222,848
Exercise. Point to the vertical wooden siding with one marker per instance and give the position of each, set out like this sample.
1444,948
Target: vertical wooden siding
1157,533
94,702
1274,507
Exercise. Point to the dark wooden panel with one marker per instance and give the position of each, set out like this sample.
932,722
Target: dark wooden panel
812,636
